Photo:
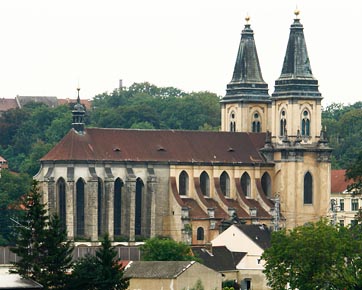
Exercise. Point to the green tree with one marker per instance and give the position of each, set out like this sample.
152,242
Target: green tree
41,244
100,272
354,172
314,256
30,236
165,249
12,187
58,256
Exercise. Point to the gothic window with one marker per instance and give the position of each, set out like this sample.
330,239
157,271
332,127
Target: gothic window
117,210
183,183
245,184
62,201
283,124
225,184
256,127
200,234
232,122
101,205
138,206
266,184
308,188
205,183
80,208
305,123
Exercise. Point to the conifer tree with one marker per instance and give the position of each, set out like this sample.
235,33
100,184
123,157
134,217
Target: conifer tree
30,236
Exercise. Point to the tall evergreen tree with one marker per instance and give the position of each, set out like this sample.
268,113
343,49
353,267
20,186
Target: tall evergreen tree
58,256
45,255
30,236
100,272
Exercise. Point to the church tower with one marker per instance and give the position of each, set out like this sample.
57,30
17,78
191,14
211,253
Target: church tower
247,102
297,144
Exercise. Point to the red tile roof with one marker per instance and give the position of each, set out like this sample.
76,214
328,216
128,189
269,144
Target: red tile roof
85,103
7,104
159,146
338,181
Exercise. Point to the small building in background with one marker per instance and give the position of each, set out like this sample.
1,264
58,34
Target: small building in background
344,205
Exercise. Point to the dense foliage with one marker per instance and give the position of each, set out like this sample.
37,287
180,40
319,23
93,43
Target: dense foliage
12,187
41,243
165,249
344,129
99,272
315,256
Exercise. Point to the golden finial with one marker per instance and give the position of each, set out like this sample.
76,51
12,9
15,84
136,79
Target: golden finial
296,12
247,19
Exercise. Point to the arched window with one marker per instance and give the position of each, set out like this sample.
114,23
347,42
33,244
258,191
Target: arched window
283,123
138,206
80,207
117,209
305,123
232,122
200,234
225,184
183,183
205,183
62,201
101,207
266,184
245,184
308,188
256,124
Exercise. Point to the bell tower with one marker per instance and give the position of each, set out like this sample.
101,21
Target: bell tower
246,105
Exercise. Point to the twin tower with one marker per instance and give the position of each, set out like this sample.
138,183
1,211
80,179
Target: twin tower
292,112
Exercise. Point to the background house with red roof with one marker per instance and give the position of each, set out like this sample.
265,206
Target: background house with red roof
344,205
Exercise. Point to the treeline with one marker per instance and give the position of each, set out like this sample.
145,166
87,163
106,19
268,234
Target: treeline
28,134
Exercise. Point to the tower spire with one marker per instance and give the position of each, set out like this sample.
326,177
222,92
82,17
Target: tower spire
296,78
247,83
78,116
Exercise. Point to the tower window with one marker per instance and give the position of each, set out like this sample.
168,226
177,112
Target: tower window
200,234
283,124
308,188
232,122
256,124
305,124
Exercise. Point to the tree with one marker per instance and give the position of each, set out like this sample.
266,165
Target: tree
314,256
58,256
100,272
165,249
41,244
354,172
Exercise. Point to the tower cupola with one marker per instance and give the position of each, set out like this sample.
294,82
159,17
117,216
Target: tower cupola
78,116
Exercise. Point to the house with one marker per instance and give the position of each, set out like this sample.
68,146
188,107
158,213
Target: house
253,240
220,259
344,205
172,275
137,184
3,163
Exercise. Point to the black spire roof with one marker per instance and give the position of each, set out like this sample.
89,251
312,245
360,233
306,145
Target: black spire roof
296,78
247,83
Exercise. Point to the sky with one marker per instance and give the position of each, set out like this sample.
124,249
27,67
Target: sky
49,48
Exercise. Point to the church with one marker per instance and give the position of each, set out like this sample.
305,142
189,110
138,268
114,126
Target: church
269,164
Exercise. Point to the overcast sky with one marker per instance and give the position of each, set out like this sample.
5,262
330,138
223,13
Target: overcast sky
49,47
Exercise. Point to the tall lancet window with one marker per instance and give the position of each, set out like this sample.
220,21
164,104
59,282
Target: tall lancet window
305,123
246,184
225,184
80,208
183,183
138,206
256,125
232,122
283,123
205,183
117,211
62,201
308,188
